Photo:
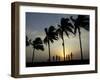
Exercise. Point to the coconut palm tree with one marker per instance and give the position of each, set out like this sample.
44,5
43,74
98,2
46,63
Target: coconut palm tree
80,21
51,35
37,45
64,27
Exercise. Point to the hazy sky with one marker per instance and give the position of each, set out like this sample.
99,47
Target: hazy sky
35,24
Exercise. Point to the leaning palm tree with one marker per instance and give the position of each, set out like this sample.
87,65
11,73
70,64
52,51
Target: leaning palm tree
80,21
51,35
37,45
64,27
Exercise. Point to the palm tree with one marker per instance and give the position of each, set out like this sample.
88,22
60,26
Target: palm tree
51,35
64,27
80,21
37,45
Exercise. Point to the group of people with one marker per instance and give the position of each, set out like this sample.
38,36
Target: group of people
67,58
56,58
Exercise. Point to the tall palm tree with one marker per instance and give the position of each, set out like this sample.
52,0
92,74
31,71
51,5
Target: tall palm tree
80,21
37,45
51,35
64,27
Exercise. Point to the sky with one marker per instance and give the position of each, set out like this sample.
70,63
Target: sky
35,24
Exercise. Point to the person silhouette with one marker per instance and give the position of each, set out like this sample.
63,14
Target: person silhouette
68,57
59,58
53,58
71,55
56,58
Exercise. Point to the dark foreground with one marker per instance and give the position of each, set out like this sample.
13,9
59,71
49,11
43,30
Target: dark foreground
57,63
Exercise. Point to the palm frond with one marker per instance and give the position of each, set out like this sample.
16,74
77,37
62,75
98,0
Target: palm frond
70,25
72,18
67,34
39,47
45,40
65,26
59,32
68,29
51,29
37,44
62,21
75,30
37,41
51,34
46,31
84,21
52,41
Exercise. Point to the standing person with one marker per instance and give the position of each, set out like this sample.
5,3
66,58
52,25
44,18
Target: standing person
53,58
71,55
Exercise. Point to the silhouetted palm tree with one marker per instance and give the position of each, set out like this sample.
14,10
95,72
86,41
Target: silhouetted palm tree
64,27
37,45
51,35
80,21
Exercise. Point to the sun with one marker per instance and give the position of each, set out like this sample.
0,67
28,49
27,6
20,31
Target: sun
67,51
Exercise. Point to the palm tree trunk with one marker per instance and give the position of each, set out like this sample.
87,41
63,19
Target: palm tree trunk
49,51
63,47
80,44
33,55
